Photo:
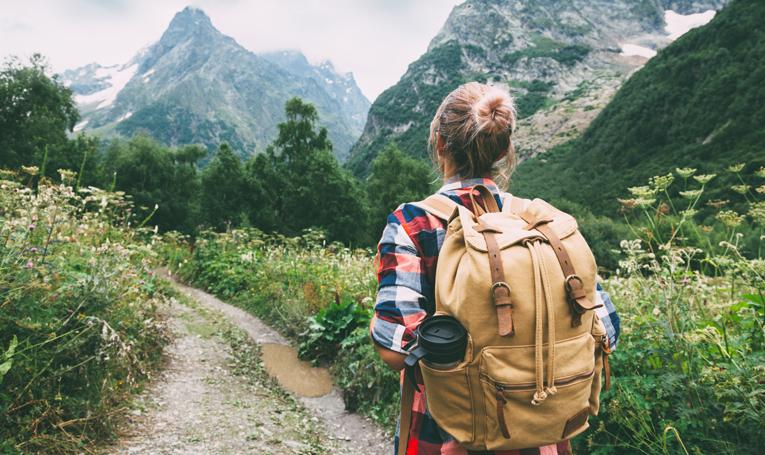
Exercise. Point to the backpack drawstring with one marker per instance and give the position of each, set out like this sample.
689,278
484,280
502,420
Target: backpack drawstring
542,286
551,390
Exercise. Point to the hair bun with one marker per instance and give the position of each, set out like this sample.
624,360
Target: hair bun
472,130
494,112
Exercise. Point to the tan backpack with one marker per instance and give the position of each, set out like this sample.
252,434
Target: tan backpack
522,282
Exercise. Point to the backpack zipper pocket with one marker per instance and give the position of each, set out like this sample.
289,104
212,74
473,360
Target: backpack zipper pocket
503,394
508,381
530,386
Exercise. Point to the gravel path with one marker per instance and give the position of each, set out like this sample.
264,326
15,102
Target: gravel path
203,404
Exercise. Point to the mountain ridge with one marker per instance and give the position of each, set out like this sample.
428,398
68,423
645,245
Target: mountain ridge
197,85
573,48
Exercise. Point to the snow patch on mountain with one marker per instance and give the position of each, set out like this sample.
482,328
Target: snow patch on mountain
678,25
80,126
107,71
634,49
118,79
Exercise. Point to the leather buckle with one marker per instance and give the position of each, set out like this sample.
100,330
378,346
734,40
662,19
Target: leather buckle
498,284
573,277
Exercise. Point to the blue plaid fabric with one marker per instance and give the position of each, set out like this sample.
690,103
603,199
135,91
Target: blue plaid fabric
607,314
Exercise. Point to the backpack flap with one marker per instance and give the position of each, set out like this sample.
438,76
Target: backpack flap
511,226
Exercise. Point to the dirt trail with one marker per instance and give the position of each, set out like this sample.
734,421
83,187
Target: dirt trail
198,405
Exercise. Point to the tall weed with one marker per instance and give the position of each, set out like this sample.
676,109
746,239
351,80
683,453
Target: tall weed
690,367
78,314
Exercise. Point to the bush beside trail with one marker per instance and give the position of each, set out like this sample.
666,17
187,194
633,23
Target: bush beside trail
318,295
79,328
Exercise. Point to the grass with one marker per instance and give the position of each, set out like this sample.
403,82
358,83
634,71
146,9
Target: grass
79,328
203,330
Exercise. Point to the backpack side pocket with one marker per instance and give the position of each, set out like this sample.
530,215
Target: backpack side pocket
601,362
450,398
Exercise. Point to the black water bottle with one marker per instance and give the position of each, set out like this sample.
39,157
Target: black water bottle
441,344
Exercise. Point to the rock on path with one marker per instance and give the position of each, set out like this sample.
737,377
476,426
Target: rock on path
198,406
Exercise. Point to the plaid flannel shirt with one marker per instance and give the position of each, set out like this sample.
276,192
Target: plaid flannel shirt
408,254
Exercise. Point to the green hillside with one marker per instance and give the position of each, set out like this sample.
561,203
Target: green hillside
396,106
545,51
699,103
412,103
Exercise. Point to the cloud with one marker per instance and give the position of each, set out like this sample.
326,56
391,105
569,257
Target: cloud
375,39
112,5
12,26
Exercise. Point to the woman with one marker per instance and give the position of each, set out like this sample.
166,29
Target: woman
471,141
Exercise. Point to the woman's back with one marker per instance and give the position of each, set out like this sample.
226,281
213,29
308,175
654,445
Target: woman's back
470,134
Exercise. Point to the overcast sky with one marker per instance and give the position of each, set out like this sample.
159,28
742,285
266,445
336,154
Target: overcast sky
375,39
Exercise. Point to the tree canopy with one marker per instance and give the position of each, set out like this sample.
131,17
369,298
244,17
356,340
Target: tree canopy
154,174
396,179
300,185
36,112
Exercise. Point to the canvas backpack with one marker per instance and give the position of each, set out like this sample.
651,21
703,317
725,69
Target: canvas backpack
523,284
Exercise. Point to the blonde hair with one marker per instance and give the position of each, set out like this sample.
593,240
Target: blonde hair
476,124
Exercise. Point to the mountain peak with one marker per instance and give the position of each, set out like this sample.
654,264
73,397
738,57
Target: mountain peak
190,18
197,85
186,24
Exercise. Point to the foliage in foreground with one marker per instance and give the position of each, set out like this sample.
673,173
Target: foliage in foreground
689,368
78,304
688,373
695,325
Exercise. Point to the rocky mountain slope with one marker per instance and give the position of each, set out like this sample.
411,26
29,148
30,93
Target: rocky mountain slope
342,87
699,104
563,59
196,85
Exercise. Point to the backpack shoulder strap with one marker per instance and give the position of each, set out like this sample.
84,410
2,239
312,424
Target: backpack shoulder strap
405,424
438,205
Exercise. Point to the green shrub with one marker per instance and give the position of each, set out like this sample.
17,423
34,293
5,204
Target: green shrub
78,314
282,280
548,48
369,385
329,327
689,368
530,103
